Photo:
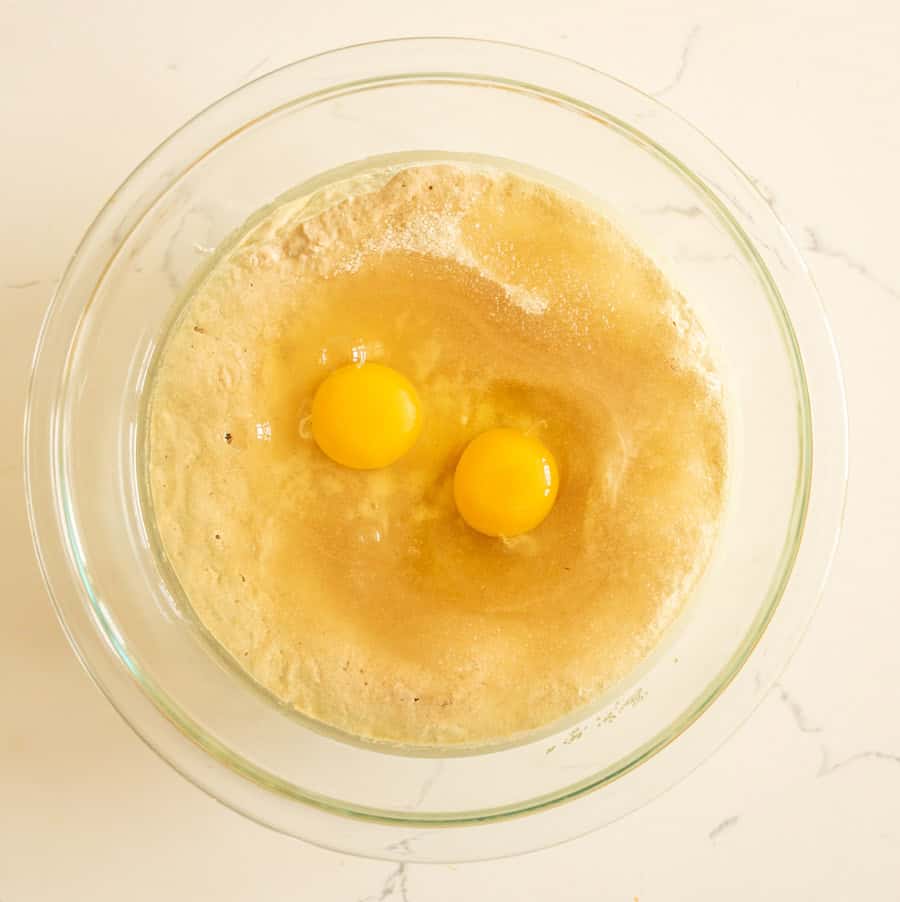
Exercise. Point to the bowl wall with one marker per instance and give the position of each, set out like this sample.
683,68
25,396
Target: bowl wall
693,213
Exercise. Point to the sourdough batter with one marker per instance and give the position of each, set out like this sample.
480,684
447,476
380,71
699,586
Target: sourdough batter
361,598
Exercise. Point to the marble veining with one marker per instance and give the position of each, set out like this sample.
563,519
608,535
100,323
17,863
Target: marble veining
828,767
427,785
394,886
686,51
817,844
21,286
255,69
404,847
800,719
722,826
814,243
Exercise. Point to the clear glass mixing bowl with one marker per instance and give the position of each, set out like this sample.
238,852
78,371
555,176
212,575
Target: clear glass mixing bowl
679,197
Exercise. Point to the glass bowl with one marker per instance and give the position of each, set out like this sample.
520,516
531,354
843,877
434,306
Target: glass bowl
677,196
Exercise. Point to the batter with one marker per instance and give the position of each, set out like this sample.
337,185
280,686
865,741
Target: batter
361,597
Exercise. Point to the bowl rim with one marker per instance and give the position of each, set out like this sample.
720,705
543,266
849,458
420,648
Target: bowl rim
36,459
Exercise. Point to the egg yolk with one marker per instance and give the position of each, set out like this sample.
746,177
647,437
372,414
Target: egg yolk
366,416
505,482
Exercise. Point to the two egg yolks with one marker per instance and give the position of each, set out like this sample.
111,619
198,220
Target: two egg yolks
368,416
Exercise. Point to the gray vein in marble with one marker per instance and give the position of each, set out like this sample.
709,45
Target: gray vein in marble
688,47
691,212
720,828
826,768
21,286
800,718
254,68
394,884
764,189
705,258
815,244
427,784
741,209
404,846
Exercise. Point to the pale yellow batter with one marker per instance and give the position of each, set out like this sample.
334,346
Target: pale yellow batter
361,598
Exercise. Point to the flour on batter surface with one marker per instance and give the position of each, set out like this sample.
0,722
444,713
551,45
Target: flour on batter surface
360,597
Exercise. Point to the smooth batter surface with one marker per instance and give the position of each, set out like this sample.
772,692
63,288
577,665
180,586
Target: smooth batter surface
361,598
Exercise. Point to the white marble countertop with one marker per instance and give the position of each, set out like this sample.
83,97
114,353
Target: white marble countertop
803,802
